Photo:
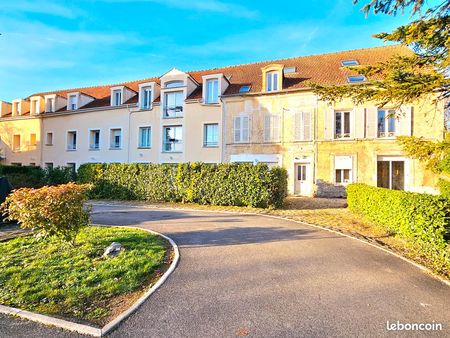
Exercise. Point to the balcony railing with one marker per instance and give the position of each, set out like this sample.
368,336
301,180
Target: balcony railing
173,111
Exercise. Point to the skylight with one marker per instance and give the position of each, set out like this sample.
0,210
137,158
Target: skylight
245,89
346,63
289,70
356,78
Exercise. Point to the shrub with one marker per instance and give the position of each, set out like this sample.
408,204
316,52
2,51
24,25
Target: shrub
422,220
36,177
51,210
215,184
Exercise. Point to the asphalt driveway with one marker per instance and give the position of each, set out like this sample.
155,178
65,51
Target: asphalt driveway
244,275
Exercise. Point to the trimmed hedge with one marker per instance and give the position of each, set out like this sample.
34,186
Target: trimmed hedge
422,220
36,177
215,184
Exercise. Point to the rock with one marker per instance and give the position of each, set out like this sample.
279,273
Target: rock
113,250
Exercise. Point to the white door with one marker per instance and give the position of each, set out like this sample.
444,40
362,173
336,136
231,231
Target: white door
302,179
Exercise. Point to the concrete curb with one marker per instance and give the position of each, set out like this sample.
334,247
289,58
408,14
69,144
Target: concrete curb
417,265
90,330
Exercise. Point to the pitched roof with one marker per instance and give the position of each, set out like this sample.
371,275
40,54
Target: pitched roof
319,68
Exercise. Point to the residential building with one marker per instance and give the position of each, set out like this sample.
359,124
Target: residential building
259,113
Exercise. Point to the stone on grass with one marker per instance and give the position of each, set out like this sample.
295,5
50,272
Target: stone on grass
113,250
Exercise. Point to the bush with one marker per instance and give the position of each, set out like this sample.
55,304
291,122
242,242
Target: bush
36,177
215,184
422,220
51,210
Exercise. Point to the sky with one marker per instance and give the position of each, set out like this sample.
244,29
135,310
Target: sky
48,45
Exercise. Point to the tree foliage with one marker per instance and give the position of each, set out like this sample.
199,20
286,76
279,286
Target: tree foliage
404,78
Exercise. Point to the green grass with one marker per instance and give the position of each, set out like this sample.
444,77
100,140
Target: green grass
54,278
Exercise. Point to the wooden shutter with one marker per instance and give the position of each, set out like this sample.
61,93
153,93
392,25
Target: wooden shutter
372,122
328,124
306,126
245,125
237,129
298,125
276,119
267,127
405,120
358,123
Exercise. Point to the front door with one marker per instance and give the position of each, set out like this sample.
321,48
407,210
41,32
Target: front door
302,179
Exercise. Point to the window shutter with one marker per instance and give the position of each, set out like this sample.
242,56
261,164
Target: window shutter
372,122
298,125
358,123
328,124
237,129
245,128
276,128
267,126
405,120
306,126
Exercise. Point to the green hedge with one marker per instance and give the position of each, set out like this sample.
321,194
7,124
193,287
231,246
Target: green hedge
215,184
36,177
422,220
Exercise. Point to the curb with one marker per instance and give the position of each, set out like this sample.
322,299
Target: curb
90,330
417,265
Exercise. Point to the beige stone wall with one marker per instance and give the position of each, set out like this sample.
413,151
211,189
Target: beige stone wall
28,153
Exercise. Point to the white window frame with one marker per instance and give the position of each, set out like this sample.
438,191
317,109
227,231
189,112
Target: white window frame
348,159
69,99
35,106
146,93
164,139
209,97
72,147
205,142
114,101
391,159
300,134
176,114
387,133
50,103
111,141
272,80
343,134
241,138
46,138
99,139
140,145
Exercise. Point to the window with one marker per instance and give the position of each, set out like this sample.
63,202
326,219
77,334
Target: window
73,102
356,78
212,91
302,126
173,139
174,84
241,129
116,138
35,107
49,139
301,172
347,63
341,124
289,70
146,97
145,136
16,164
272,128
16,142
211,135
94,139
17,108
391,174
117,97
173,104
49,105
386,123
48,165
33,141
72,166
71,140
271,81
244,89
343,169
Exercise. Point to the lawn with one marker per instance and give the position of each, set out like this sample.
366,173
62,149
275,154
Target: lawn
54,278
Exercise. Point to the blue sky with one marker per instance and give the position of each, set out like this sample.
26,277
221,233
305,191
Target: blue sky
49,45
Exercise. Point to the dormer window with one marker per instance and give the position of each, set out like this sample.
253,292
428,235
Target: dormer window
35,107
73,102
49,105
272,81
212,91
117,97
174,84
16,108
146,97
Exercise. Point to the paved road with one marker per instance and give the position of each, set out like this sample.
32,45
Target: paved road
242,275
